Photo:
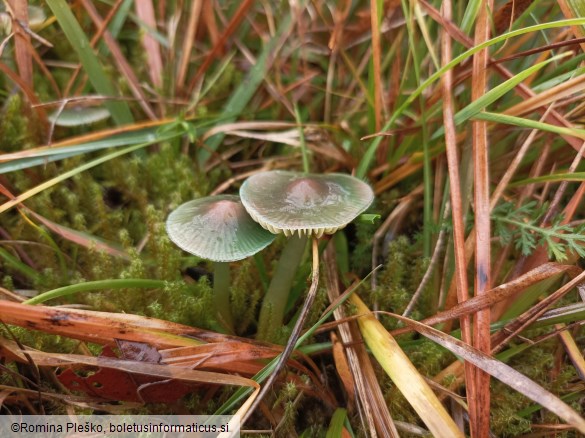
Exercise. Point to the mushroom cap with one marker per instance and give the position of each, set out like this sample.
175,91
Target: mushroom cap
292,202
217,228
77,116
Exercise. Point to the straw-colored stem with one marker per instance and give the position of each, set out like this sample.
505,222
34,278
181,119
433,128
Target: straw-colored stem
404,374
273,306
221,295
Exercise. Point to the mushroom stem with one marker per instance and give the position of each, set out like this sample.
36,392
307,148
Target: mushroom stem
221,294
294,337
274,303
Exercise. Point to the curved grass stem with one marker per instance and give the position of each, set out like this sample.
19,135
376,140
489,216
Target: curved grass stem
274,303
290,346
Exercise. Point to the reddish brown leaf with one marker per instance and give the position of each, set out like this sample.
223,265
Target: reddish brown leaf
22,45
145,12
112,384
508,13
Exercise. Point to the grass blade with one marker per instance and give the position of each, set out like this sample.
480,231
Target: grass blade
240,98
96,285
494,94
97,76
404,375
502,372
369,154
22,42
15,263
145,12
35,190
529,124
554,177
337,421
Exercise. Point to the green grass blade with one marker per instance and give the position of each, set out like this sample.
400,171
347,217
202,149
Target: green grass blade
25,163
529,296
97,76
337,421
557,177
44,156
241,97
15,263
559,76
578,8
529,124
498,91
427,172
369,154
72,117
53,181
96,285
116,24
494,94
469,16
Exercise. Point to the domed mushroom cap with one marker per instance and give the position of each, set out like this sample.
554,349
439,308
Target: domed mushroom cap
77,116
217,228
291,202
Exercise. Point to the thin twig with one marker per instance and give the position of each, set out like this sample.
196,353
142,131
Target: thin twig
429,272
562,188
390,225
291,345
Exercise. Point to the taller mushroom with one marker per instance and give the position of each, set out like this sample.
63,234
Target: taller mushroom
306,205
302,204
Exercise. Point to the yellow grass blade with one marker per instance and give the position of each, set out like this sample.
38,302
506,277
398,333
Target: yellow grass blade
404,375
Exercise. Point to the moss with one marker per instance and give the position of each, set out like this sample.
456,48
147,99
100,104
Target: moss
287,400
7,282
398,406
281,336
124,201
245,295
230,76
18,126
537,363
39,340
159,247
361,253
398,281
192,302
505,420
104,266
428,357
319,305
391,293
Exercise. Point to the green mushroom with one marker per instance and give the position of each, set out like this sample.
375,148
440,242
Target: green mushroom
309,206
219,229
299,205
78,116
304,204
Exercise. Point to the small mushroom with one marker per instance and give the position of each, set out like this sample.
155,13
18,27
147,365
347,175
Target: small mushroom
219,229
36,19
300,204
78,116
